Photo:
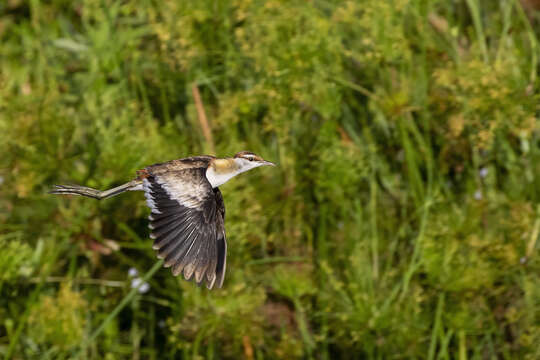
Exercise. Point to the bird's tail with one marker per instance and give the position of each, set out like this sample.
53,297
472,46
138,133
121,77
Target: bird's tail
94,193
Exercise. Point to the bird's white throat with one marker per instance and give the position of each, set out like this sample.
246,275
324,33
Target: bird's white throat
218,178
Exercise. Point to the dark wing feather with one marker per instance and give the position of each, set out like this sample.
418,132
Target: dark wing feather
221,247
187,223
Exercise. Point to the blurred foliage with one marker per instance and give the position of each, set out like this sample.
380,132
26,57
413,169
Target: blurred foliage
401,222
58,320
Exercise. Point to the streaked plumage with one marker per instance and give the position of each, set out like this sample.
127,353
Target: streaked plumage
187,218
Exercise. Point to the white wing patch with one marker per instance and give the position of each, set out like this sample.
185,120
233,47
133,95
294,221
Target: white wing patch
149,199
188,193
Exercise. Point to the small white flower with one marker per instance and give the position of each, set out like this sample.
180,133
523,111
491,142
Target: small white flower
1,180
132,272
143,289
483,172
478,194
135,283
140,285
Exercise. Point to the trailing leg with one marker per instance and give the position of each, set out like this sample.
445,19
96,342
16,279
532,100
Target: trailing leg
94,193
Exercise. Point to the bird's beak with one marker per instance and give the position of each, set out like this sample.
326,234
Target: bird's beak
269,163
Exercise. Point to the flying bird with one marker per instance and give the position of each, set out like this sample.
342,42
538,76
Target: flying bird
187,218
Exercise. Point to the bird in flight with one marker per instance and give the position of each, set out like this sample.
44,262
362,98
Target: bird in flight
187,218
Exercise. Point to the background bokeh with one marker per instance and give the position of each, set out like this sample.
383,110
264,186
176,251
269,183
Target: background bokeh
402,221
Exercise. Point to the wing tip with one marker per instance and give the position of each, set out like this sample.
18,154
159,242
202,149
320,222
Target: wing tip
188,272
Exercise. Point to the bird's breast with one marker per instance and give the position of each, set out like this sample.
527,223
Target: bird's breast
217,178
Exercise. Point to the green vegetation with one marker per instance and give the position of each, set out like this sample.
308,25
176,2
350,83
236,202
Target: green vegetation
402,221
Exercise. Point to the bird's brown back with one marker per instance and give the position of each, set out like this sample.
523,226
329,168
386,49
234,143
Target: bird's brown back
194,162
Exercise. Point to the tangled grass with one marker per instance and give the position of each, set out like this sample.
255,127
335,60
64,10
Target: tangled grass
402,221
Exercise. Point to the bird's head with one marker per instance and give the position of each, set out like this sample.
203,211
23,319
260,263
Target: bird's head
246,160
222,170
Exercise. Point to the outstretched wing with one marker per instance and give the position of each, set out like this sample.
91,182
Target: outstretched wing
187,222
